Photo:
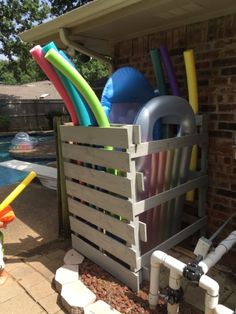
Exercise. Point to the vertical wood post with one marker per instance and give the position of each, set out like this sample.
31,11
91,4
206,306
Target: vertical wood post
63,213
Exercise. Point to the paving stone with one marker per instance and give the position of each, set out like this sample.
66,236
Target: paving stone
75,296
100,307
231,301
41,290
13,263
44,266
30,279
66,274
50,303
56,255
21,271
11,289
73,257
193,295
22,303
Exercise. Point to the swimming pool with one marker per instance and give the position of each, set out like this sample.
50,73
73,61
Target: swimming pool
11,176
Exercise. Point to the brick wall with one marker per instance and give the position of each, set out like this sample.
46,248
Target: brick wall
214,44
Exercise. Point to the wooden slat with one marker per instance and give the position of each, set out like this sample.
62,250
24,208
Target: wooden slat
100,219
114,136
101,179
95,156
129,278
167,144
174,240
119,250
163,197
113,204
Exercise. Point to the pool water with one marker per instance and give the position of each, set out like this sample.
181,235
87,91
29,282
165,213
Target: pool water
4,145
12,176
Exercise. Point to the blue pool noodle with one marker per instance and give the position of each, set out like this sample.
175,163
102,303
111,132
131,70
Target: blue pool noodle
80,107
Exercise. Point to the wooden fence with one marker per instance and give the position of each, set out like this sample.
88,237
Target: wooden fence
28,115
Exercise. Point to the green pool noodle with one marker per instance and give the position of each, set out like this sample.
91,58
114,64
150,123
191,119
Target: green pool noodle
158,71
80,83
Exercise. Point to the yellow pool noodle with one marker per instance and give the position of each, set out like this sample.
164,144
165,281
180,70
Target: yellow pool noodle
10,198
193,100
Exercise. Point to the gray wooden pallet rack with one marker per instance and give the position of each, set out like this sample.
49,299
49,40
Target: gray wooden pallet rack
96,197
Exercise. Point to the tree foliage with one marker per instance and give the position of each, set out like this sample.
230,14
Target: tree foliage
16,16
60,6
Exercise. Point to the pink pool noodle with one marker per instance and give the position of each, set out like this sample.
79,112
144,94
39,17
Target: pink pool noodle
37,54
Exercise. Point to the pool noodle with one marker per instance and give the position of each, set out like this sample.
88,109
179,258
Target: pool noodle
10,198
193,100
169,70
158,71
159,158
89,111
175,91
83,87
82,113
37,54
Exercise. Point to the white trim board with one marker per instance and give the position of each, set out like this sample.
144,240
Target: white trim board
47,175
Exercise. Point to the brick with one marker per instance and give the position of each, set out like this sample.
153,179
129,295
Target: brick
227,126
228,193
228,71
224,62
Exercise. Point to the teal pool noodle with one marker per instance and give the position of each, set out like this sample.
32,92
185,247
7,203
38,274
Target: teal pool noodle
90,113
158,71
80,108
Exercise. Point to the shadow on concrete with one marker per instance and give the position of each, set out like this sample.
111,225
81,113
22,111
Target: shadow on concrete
37,219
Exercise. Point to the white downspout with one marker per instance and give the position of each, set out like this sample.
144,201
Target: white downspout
64,36
214,256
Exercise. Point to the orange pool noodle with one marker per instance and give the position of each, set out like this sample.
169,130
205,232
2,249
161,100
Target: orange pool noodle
7,215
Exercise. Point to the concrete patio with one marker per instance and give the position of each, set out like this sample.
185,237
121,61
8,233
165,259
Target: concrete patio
34,252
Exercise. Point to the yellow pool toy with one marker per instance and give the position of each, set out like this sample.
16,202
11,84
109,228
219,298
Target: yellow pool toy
6,212
193,100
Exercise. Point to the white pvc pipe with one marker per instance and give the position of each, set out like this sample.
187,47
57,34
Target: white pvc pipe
176,271
221,309
214,256
156,260
174,283
212,293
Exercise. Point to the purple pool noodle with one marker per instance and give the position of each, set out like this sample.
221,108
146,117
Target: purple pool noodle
169,71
